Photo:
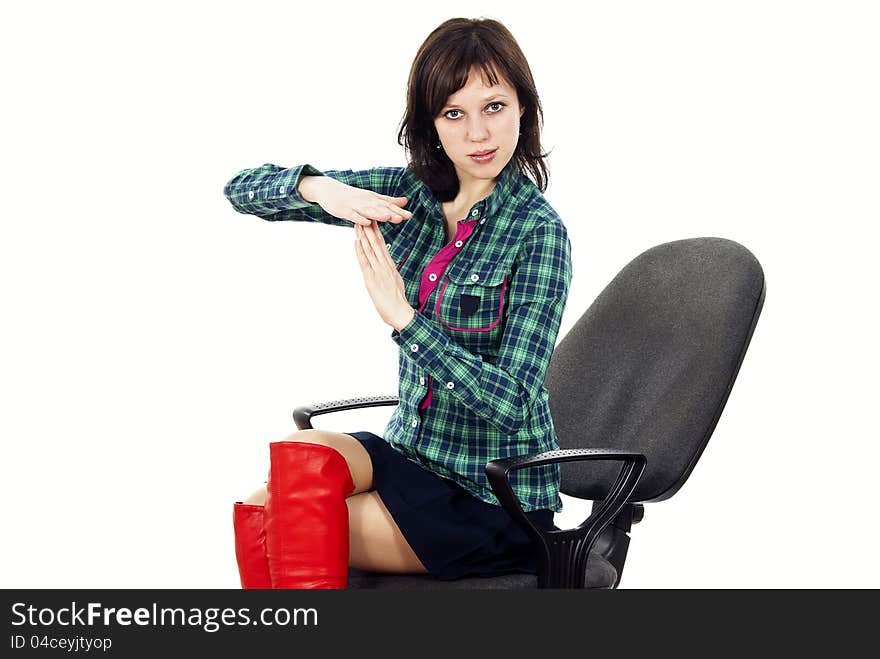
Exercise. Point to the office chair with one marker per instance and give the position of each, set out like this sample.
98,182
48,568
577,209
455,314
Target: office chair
636,388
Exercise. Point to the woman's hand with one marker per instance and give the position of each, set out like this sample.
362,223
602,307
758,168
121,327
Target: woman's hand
383,282
350,203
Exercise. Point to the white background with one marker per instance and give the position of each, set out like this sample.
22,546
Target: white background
155,341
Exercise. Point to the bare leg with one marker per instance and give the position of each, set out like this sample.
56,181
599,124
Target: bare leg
375,542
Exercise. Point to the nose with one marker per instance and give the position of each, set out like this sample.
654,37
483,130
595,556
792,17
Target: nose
477,130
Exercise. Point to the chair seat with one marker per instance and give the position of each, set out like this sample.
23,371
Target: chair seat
600,574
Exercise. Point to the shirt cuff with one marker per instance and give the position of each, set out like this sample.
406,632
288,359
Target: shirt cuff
273,189
430,349
288,186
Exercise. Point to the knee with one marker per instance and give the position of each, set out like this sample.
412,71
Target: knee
311,435
258,498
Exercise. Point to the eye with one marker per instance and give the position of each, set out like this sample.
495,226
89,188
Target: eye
498,103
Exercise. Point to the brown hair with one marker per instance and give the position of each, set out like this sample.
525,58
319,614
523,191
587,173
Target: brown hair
440,69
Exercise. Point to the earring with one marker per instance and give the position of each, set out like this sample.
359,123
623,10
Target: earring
439,146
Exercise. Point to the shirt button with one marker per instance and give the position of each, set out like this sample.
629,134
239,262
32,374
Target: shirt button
474,277
414,347
483,220
414,423
458,243
432,277
250,194
421,380
282,189
450,385
475,212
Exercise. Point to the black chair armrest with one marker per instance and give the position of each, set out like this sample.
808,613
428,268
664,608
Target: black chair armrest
302,416
562,555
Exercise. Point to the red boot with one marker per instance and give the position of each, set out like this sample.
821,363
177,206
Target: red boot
250,545
306,517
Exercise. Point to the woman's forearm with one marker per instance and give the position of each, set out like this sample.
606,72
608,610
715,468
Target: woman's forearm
312,187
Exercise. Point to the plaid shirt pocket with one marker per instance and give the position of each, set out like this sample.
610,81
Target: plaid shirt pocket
470,305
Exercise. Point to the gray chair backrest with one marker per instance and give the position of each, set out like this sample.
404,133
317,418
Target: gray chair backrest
650,364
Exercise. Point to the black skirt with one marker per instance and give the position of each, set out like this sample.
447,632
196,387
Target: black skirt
454,533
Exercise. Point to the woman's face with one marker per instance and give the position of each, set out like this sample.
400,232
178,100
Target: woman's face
480,118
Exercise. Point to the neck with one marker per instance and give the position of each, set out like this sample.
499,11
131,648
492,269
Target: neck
469,194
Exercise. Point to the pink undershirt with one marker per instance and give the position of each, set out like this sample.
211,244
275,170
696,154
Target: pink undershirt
438,266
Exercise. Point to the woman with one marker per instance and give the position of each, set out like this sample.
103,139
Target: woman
464,258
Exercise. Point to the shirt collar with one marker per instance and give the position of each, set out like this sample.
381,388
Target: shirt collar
508,183
505,187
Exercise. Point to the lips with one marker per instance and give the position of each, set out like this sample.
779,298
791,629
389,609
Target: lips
482,153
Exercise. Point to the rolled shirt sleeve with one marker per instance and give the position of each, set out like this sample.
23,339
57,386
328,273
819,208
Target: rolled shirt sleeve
271,192
504,392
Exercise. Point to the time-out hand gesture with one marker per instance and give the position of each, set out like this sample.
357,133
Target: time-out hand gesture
383,282
354,204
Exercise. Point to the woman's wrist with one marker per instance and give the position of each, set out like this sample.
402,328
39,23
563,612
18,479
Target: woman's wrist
404,319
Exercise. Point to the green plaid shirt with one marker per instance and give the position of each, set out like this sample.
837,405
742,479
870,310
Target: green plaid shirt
488,308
